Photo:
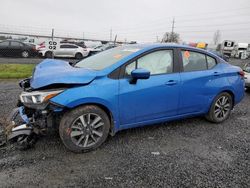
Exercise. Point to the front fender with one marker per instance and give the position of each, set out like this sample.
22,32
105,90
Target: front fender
105,95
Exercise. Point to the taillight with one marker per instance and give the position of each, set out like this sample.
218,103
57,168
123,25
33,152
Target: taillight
241,73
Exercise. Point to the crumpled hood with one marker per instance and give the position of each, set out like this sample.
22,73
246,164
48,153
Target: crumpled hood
51,71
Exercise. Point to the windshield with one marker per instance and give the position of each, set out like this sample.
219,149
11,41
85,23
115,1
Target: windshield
106,58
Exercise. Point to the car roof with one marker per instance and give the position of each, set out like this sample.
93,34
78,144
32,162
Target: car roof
12,40
159,45
149,46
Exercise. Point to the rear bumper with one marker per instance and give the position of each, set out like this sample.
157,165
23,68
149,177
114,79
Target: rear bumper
247,81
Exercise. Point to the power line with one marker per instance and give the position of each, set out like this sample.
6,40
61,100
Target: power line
218,11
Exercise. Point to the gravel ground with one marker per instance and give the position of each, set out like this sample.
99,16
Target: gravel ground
185,153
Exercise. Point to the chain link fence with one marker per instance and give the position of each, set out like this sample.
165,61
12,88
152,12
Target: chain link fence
28,42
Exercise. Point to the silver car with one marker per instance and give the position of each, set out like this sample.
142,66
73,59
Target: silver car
246,70
65,50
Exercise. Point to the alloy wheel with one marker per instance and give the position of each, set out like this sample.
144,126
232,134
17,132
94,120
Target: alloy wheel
86,130
25,54
222,107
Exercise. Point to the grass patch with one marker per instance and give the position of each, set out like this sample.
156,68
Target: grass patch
12,71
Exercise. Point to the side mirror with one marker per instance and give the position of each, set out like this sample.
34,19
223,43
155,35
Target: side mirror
139,74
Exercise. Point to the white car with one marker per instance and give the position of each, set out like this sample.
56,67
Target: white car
65,50
100,48
247,75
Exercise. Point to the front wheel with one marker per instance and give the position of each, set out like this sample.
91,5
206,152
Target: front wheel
25,54
84,128
221,108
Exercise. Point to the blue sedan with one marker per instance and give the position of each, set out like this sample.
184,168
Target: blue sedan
125,87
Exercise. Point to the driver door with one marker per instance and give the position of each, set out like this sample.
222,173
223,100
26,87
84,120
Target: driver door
154,98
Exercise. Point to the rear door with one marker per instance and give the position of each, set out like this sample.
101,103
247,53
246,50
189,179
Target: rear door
15,48
153,98
197,78
66,50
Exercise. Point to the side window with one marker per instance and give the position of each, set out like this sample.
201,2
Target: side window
63,46
129,68
72,46
14,44
159,62
211,62
68,46
4,44
193,61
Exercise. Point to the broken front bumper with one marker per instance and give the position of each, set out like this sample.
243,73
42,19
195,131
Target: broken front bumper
19,124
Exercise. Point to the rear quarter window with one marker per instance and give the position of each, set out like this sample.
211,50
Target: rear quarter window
211,62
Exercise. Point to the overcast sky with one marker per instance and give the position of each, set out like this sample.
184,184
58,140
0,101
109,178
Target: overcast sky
140,20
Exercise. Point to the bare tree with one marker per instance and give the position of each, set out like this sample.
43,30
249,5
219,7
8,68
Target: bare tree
171,37
217,36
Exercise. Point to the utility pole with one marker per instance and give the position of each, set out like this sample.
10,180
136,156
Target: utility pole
115,39
52,39
157,38
173,22
110,37
172,32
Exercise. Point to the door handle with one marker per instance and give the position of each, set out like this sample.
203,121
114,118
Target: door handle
217,73
171,82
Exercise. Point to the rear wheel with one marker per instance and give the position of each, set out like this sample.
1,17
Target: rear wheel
221,108
48,54
84,128
78,56
25,54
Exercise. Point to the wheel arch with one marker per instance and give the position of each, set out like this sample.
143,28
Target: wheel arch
78,53
46,53
231,93
107,110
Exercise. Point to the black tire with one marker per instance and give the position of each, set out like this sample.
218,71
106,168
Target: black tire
48,54
25,54
219,113
72,124
78,56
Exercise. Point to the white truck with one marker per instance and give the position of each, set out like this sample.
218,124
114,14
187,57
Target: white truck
241,51
227,47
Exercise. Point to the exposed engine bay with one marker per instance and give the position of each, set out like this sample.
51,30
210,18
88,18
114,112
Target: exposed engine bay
33,116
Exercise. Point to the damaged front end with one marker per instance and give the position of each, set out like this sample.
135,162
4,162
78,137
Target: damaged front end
34,115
